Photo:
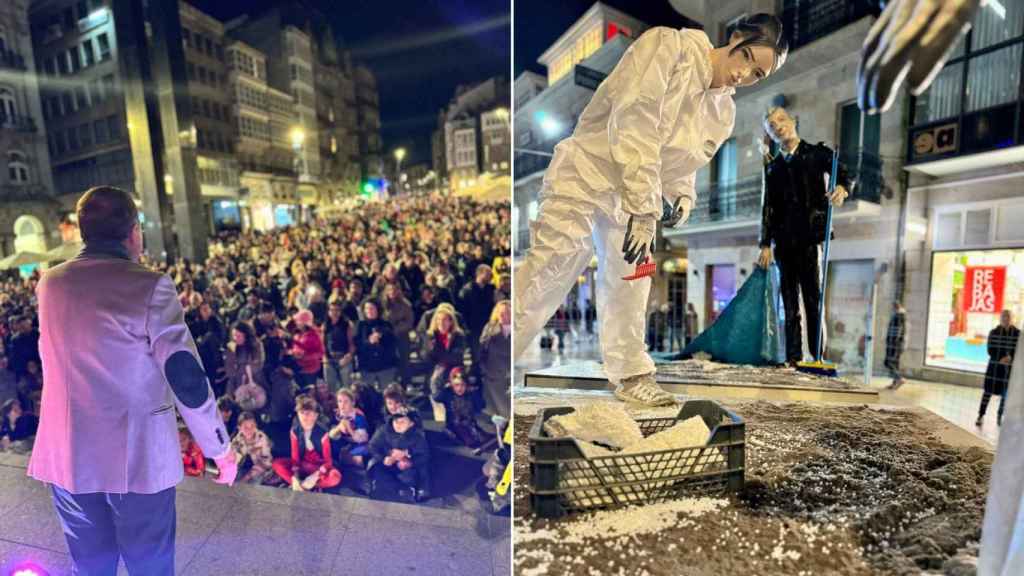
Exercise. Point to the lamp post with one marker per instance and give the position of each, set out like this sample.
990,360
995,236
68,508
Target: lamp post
399,156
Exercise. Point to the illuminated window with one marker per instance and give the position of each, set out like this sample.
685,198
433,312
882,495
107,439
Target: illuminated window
592,41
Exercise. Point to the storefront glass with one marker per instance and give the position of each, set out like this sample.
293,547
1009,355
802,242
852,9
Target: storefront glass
226,215
969,289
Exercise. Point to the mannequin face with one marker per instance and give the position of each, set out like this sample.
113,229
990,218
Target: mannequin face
744,67
780,126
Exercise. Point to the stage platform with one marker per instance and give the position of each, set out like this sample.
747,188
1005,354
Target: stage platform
710,380
264,531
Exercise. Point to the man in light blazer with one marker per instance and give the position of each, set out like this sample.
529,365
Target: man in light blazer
118,358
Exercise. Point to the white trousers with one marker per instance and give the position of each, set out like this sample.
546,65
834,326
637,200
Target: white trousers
565,236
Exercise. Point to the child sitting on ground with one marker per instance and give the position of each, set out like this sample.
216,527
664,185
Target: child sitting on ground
400,452
371,402
310,465
462,405
252,451
191,455
395,402
349,432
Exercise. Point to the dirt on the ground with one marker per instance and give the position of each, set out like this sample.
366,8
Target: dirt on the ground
829,490
705,371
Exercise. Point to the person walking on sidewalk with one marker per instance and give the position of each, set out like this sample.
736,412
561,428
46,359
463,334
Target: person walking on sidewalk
896,343
1002,346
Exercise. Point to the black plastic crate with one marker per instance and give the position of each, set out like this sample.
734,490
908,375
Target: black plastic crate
563,481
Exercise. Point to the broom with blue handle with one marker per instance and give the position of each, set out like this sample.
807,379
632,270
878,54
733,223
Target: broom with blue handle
819,366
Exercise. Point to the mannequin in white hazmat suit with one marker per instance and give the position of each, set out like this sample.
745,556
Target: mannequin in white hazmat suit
911,41
660,115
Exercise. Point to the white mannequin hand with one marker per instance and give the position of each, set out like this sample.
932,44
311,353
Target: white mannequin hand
678,213
638,239
912,39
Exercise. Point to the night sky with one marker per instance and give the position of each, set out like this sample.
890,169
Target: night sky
420,50
540,22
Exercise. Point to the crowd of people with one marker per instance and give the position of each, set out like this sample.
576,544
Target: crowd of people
329,345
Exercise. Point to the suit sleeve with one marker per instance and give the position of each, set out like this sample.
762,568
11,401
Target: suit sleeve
637,89
844,180
175,353
766,213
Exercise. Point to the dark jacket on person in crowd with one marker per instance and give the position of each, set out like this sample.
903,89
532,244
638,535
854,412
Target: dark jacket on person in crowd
1001,342
795,203
475,304
413,276
375,357
24,349
24,427
385,439
450,351
336,336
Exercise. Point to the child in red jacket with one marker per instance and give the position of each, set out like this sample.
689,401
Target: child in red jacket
310,466
191,455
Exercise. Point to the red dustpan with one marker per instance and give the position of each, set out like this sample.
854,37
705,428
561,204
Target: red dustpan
644,269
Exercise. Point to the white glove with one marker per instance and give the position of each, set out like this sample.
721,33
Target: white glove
912,39
677,213
639,238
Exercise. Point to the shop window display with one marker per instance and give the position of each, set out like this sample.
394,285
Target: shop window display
969,290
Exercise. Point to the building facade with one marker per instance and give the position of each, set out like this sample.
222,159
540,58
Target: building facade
216,126
960,234
29,211
371,148
476,135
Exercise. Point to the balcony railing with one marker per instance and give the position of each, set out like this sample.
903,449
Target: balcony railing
18,123
804,21
728,202
11,59
741,199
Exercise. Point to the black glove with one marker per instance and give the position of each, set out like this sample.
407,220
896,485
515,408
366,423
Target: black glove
638,239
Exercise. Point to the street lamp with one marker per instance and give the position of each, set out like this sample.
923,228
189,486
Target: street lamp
548,124
399,156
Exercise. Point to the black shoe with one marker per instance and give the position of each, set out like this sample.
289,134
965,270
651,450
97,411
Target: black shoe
792,363
421,496
978,422
407,494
